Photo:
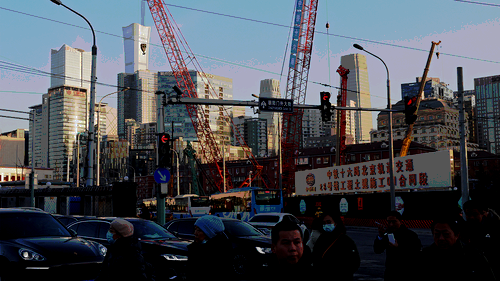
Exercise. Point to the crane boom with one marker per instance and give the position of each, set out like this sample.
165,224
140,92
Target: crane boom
409,131
298,72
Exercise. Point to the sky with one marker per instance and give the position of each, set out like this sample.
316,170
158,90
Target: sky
249,40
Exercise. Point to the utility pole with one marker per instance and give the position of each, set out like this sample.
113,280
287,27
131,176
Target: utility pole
160,129
463,142
32,174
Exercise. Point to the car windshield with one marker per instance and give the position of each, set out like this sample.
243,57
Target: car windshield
240,229
265,218
147,230
29,224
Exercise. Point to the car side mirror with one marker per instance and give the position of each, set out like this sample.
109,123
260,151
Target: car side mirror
73,233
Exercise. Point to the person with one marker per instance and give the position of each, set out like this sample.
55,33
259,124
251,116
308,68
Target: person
316,227
289,260
335,254
402,247
210,255
145,213
448,258
123,260
482,230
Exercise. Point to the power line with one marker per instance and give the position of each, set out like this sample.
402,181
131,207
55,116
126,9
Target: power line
478,3
17,111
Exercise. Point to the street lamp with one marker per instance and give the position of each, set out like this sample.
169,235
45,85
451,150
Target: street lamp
177,155
90,152
130,166
391,145
98,155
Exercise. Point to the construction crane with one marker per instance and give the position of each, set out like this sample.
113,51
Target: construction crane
341,118
409,131
169,34
298,72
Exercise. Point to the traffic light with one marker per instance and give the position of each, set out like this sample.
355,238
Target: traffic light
164,150
326,106
410,109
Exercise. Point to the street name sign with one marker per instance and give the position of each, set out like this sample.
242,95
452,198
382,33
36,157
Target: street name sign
279,105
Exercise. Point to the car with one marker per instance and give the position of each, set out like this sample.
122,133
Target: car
160,248
251,248
36,246
68,219
266,221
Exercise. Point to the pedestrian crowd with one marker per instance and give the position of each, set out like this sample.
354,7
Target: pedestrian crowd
463,249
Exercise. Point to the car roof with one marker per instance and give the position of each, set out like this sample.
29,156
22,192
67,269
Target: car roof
273,214
22,210
190,219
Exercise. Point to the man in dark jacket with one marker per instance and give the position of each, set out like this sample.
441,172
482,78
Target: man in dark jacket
291,258
210,255
402,252
450,259
123,260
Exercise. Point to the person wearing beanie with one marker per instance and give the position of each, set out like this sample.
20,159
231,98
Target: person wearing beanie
123,260
210,255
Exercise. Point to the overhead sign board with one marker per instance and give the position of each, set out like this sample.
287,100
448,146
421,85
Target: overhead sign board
427,170
279,105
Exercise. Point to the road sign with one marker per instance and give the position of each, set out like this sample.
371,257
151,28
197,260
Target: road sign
162,175
279,105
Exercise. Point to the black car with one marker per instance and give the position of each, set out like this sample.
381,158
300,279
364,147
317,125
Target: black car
164,251
69,219
36,246
251,248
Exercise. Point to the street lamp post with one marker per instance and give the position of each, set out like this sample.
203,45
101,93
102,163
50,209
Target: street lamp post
178,187
91,148
130,166
391,145
98,155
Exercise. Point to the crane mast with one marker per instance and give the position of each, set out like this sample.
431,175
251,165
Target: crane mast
341,118
298,72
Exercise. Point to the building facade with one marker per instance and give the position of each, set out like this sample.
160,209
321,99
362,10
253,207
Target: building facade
70,67
256,136
136,47
470,109
488,108
270,88
433,88
358,90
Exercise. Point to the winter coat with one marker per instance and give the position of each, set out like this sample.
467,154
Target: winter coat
400,260
211,260
459,263
276,270
314,237
335,254
124,261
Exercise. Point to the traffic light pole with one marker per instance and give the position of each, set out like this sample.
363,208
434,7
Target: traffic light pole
160,129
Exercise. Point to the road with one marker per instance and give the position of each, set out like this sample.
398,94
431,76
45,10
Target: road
373,265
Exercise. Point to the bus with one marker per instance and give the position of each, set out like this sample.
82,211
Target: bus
188,205
244,203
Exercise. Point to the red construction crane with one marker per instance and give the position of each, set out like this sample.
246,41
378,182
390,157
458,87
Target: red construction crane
298,72
341,101
170,34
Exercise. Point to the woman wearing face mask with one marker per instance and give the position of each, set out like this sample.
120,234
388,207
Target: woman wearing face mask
335,254
123,260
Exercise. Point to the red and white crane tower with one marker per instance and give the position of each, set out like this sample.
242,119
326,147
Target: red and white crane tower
298,72
170,34
341,116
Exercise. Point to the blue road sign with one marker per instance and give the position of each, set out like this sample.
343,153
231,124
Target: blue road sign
162,175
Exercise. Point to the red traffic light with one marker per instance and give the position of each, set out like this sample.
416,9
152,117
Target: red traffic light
325,96
165,138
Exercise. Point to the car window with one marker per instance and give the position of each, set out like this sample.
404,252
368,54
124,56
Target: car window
27,224
239,229
173,227
145,229
291,218
186,227
265,218
103,229
87,229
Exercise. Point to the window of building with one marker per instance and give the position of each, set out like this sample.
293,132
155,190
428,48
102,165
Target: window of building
415,139
318,160
374,135
325,160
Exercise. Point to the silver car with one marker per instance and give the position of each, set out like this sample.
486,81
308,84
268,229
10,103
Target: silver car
266,221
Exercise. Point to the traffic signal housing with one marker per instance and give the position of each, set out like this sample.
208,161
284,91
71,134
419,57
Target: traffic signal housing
326,106
410,109
164,150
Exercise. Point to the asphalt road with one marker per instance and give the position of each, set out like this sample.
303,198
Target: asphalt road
373,265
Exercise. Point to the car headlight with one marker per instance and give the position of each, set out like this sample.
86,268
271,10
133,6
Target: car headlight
102,250
263,250
171,257
29,255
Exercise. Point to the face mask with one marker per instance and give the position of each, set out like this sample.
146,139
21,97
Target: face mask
328,227
109,237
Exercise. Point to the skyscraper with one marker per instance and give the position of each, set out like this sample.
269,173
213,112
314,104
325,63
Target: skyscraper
358,90
136,46
270,88
488,125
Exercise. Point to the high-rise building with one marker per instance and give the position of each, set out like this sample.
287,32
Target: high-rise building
70,67
136,46
433,88
488,126
256,136
270,88
138,103
177,115
470,109
358,90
